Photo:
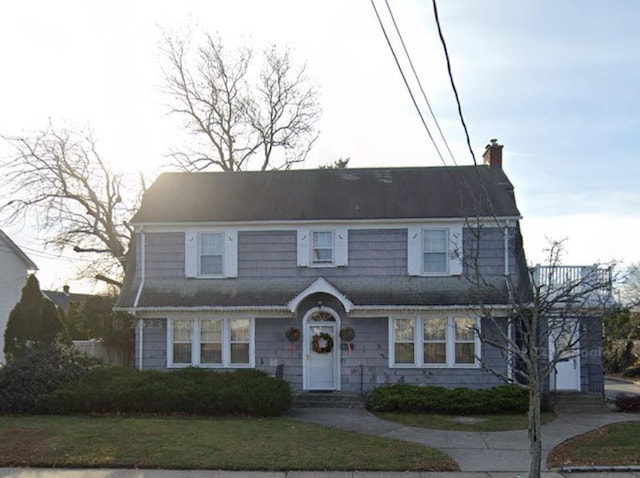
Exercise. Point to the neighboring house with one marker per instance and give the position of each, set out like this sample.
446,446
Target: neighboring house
224,263
65,298
15,266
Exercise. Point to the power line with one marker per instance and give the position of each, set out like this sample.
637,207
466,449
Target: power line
453,84
415,74
406,83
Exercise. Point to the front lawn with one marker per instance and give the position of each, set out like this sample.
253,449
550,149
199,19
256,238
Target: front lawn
203,443
473,423
615,444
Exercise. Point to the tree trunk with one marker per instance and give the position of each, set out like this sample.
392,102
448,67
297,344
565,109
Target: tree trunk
535,425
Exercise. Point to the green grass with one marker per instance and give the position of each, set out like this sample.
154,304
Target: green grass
203,443
485,423
615,444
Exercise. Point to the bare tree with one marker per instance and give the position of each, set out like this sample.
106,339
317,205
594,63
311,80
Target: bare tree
549,312
59,180
235,113
630,287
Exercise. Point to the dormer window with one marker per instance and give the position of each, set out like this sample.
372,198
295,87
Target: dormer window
211,254
322,250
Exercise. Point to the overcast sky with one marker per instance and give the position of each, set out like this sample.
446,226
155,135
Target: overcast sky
555,82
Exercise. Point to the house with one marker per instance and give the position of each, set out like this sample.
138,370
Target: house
65,299
15,266
337,279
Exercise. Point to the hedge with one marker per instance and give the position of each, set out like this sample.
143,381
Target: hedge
190,391
628,403
459,401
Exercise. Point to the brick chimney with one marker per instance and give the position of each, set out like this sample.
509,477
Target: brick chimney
493,154
66,289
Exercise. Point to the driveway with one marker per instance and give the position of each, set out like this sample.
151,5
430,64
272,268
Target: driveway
615,386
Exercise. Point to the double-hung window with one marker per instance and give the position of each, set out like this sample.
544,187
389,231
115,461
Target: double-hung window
322,250
435,251
210,342
211,253
434,342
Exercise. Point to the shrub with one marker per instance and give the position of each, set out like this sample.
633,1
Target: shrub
26,382
618,355
632,372
192,391
459,401
628,403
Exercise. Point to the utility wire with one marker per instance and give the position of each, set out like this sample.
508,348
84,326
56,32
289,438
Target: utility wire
459,105
406,83
415,74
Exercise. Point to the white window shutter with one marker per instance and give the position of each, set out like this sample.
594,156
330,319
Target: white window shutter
304,244
231,253
455,250
414,251
341,246
191,253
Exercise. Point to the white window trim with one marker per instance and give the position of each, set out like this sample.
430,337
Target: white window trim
415,249
226,344
446,253
340,247
229,253
331,263
418,336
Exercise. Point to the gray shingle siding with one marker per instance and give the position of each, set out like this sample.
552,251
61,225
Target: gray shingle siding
165,255
154,346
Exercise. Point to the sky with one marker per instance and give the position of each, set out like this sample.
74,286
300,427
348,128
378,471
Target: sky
555,82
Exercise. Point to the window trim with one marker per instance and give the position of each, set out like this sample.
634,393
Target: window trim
445,252
453,252
222,254
192,253
312,248
226,343
418,336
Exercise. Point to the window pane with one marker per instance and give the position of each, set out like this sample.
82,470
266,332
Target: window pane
464,329
435,240
182,331
435,353
435,262
181,353
239,330
434,329
211,265
240,353
211,330
322,255
403,330
404,353
210,353
465,353
323,240
211,243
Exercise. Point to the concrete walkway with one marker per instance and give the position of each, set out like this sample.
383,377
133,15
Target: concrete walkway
474,451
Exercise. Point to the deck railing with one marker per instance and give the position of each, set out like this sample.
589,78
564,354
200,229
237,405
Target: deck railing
578,280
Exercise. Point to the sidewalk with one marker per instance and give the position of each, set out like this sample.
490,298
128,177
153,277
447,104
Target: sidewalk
506,451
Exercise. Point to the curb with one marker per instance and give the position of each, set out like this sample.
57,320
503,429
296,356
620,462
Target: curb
581,469
620,380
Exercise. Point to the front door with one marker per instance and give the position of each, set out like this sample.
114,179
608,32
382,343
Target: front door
567,369
321,352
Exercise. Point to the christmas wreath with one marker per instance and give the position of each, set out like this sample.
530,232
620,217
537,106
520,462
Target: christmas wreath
292,334
347,334
315,343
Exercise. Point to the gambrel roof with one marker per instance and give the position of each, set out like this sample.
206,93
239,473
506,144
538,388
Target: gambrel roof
329,194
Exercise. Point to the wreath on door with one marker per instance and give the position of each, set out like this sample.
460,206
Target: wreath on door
315,343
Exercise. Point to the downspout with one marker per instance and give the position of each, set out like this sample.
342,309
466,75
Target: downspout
506,248
140,324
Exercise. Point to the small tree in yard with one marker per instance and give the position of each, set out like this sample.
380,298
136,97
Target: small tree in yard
33,322
548,314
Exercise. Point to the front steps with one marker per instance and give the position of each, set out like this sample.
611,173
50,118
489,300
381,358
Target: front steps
329,399
576,402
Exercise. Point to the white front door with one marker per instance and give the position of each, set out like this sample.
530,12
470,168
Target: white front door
567,369
321,349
